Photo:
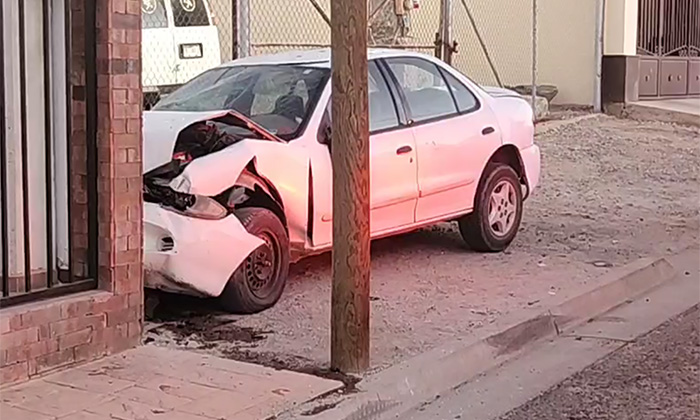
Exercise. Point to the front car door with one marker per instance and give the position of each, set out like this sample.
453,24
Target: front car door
455,135
393,167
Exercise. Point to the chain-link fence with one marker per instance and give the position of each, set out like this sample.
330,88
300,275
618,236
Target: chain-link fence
275,25
510,43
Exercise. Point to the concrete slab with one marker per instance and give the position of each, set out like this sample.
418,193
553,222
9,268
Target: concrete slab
687,106
446,367
677,111
162,383
549,362
633,319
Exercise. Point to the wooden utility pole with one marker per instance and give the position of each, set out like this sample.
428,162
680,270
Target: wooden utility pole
350,155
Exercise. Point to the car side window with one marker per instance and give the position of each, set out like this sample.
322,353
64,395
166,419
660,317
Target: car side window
382,111
466,101
423,87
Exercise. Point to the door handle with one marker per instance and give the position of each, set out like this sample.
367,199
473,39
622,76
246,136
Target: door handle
403,150
487,130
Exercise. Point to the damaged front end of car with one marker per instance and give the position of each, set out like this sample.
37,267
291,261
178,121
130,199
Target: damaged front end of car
193,241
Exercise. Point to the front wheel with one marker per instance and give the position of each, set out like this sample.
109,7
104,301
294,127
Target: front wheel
498,209
258,283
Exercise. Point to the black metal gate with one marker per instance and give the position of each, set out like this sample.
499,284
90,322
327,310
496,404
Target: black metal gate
668,41
30,162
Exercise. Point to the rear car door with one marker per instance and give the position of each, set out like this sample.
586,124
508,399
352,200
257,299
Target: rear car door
455,135
195,39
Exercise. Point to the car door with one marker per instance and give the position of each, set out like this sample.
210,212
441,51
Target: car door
195,38
393,167
454,133
393,164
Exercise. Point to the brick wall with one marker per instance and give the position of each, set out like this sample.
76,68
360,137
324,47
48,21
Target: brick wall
42,336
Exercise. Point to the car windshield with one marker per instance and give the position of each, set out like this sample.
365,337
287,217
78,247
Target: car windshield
280,98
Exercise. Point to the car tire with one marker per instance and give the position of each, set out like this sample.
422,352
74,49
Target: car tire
498,210
258,283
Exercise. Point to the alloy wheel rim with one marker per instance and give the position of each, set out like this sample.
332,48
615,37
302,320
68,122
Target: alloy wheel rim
502,208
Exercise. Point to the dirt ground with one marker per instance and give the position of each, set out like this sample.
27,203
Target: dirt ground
612,191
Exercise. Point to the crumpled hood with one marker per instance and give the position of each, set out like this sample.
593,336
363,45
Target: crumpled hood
160,130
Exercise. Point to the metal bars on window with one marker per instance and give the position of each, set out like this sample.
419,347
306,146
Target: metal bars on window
31,267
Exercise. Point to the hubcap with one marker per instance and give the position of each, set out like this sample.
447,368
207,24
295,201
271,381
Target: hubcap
262,267
502,208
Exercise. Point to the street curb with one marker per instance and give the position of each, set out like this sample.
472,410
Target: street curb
398,388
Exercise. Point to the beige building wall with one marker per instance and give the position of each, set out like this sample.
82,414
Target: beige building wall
620,27
565,51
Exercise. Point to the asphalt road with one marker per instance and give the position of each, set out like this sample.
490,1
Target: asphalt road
656,377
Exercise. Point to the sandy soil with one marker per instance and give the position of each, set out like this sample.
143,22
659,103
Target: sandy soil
612,191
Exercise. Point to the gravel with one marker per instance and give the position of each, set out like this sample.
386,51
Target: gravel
612,191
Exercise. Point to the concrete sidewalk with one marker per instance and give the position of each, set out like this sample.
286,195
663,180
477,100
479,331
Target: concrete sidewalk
160,383
655,377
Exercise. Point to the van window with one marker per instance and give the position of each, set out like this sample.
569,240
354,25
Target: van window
154,14
190,13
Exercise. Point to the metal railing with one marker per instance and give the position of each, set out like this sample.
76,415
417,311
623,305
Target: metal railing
30,212
669,28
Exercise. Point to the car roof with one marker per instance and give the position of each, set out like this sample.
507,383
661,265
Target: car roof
318,57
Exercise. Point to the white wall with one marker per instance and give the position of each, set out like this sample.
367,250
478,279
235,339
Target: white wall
620,36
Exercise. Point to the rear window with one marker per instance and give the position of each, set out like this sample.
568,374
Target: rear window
190,13
154,14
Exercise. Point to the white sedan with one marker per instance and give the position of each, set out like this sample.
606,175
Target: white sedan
238,169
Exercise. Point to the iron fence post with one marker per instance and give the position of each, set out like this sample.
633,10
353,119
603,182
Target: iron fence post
599,25
446,30
243,28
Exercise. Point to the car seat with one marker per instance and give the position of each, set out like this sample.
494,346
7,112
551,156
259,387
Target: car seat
290,106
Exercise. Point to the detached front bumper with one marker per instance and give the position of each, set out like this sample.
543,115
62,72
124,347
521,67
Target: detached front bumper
532,163
192,256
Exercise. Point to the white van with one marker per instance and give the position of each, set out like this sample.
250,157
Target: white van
179,41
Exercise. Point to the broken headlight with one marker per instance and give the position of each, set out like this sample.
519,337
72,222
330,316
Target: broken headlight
202,207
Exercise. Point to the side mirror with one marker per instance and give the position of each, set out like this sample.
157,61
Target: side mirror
326,137
325,130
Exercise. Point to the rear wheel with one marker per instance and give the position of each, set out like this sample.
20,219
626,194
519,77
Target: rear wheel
258,283
498,210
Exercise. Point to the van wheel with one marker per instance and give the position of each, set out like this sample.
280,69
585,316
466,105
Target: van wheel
498,210
258,283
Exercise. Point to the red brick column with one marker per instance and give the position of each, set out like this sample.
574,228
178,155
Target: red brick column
119,151
42,336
